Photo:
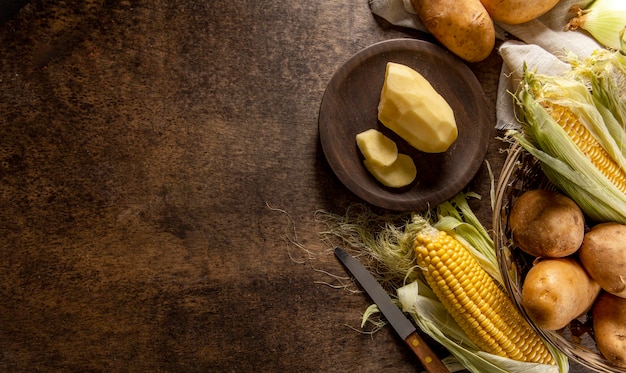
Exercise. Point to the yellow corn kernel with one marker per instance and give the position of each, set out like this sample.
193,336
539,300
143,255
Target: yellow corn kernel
588,144
475,301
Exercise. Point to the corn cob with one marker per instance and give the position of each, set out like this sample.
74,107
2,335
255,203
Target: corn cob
587,143
594,178
475,301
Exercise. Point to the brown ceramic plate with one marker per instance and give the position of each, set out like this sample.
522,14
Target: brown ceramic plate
350,106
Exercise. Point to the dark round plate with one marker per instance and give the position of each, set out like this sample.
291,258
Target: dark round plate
350,106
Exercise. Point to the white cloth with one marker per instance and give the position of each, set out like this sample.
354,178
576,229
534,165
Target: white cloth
539,44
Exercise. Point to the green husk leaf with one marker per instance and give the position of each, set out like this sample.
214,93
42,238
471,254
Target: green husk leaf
604,20
590,197
604,72
457,218
565,165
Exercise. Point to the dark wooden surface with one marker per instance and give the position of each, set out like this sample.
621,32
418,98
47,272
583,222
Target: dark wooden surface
147,148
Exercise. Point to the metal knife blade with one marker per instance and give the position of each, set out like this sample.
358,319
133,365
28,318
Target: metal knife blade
400,323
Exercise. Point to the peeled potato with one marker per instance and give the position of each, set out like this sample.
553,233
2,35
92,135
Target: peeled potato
377,148
400,173
603,254
412,108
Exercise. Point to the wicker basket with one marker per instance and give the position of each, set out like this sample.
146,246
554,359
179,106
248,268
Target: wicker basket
522,172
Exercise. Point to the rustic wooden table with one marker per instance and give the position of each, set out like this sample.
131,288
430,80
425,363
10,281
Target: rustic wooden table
156,159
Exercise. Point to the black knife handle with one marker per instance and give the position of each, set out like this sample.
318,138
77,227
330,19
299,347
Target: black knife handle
426,356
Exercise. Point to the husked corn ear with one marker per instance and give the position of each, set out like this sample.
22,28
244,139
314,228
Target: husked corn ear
475,301
587,144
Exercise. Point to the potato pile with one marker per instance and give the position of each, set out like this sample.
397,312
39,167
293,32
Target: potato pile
466,27
576,270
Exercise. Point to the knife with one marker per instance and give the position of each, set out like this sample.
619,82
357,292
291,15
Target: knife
401,324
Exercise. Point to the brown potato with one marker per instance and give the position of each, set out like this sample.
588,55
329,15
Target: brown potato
609,327
464,27
546,224
515,12
603,254
557,291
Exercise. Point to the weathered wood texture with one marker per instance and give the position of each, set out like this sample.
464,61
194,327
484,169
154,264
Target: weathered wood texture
146,149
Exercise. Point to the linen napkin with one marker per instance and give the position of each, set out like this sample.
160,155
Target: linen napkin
540,44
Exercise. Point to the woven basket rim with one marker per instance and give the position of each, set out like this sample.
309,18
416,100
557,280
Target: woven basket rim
509,186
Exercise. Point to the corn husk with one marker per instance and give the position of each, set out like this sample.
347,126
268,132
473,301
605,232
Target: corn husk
605,74
564,164
431,316
603,19
391,246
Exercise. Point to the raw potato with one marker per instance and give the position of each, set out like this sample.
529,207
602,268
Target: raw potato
464,27
377,148
410,107
546,224
603,254
557,291
515,12
399,174
609,327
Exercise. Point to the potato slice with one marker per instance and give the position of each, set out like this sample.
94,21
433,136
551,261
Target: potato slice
377,148
400,173
410,107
